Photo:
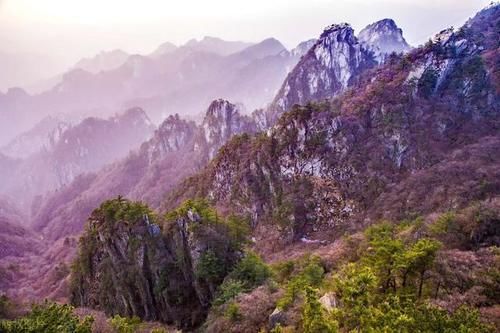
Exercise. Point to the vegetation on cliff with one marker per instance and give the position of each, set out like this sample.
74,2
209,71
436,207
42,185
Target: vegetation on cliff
133,262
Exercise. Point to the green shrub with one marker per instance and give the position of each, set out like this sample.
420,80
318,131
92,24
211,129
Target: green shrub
121,209
443,223
48,317
314,317
283,270
233,312
210,267
427,82
309,273
251,271
125,324
228,290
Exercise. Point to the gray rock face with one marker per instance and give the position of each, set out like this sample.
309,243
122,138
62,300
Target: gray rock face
329,301
277,317
301,49
383,38
223,120
327,69
126,268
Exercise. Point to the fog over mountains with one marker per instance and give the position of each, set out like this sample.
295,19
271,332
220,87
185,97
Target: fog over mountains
193,172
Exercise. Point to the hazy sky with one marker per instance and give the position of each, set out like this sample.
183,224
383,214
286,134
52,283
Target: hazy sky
70,29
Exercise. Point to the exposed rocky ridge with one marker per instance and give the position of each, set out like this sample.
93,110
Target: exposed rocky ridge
383,38
326,70
334,63
217,45
222,121
132,263
323,165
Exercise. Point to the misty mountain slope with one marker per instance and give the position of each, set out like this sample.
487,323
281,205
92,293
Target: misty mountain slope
15,239
217,45
41,137
81,148
104,61
413,141
184,79
323,165
177,149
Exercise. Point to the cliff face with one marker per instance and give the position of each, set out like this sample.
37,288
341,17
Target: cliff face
383,38
326,70
322,167
133,263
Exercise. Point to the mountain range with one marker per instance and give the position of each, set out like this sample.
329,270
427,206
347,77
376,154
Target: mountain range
307,149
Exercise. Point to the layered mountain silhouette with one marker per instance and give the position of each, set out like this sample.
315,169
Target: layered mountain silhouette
309,146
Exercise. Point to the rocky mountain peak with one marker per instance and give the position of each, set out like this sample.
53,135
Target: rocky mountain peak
163,49
104,61
216,45
165,256
135,116
329,68
383,38
343,30
220,109
172,135
336,48
223,120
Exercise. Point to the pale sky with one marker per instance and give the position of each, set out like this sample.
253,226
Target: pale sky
70,29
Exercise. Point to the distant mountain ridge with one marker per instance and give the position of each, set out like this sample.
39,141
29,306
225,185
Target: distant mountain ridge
104,61
175,80
364,130
68,151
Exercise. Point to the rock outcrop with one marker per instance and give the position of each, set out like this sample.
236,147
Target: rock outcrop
327,69
133,263
383,38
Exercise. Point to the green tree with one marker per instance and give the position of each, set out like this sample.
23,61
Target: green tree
418,259
314,317
251,271
383,253
356,286
210,267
